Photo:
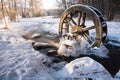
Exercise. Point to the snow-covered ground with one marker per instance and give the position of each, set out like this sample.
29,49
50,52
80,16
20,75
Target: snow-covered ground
19,61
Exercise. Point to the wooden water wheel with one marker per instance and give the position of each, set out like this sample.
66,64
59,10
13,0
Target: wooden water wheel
83,20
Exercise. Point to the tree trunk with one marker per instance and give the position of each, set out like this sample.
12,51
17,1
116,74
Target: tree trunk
5,24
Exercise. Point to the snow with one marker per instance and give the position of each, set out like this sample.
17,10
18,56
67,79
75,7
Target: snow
19,61
75,46
118,75
35,25
114,30
82,68
18,57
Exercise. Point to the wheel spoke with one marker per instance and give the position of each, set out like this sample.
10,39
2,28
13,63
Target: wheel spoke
96,43
72,19
83,19
70,24
86,36
79,18
68,20
88,28
66,27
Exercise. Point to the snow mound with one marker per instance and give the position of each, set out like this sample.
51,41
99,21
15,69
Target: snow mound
83,68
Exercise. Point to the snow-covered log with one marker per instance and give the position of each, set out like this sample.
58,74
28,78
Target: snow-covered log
39,46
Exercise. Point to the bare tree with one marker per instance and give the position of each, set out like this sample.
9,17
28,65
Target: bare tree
35,7
3,8
12,11
25,8
62,6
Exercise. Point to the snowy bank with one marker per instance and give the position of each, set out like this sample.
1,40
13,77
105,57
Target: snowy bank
19,61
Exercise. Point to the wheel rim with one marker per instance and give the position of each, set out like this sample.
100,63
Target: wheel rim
74,19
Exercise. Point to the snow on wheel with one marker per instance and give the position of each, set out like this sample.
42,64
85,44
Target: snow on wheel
74,20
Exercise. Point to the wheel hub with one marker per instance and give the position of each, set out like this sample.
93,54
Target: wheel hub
76,29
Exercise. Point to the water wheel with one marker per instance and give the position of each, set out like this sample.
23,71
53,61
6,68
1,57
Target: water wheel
86,21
